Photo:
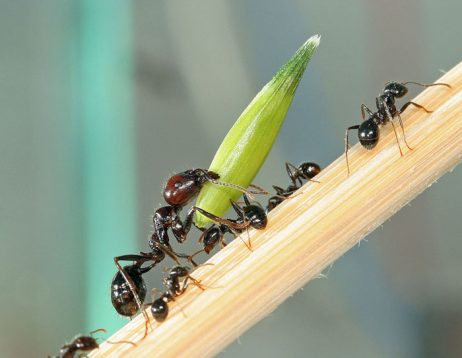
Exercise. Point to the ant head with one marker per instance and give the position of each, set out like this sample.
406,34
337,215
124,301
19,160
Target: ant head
395,89
122,297
309,170
181,188
368,133
85,343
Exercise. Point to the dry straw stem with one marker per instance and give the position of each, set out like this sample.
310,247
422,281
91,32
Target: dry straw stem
307,233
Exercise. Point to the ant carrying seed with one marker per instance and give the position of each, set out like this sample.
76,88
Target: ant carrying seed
250,215
305,171
369,130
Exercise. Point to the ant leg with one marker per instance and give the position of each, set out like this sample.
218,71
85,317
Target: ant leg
291,174
249,245
181,229
219,220
172,299
402,128
403,108
397,140
364,109
131,285
347,145
167,250
281,192
239,211
223,242
194,254
195,282
381,103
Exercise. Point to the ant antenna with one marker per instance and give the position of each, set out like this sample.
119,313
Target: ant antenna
98,330
427,84
259,190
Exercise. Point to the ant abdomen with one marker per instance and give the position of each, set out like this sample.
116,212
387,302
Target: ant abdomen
211,238
256,216
368,133
159,309
122,296
309,170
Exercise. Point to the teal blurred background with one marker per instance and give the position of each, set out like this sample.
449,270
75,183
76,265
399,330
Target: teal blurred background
102,100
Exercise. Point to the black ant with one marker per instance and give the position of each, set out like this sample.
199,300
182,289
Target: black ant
250,215
128,289
83,343
79,344
159,308
305,171
369,131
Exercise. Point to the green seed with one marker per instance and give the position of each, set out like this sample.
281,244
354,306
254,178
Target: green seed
248,143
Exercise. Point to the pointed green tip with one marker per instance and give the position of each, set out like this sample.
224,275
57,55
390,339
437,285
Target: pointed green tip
249,141
289,75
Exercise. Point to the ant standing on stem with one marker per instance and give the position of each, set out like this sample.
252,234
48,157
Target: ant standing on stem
250,215
369,130
305,171
79,344
159,308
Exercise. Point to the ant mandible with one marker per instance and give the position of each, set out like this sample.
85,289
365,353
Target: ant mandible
369,131
305,171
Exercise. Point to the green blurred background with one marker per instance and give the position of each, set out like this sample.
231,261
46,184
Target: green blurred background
102,100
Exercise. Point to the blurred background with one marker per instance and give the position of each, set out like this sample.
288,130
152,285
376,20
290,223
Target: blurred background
101,101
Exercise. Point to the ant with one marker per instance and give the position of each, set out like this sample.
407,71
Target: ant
248,216
305,171
369,131
128,289
80,343
159,308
